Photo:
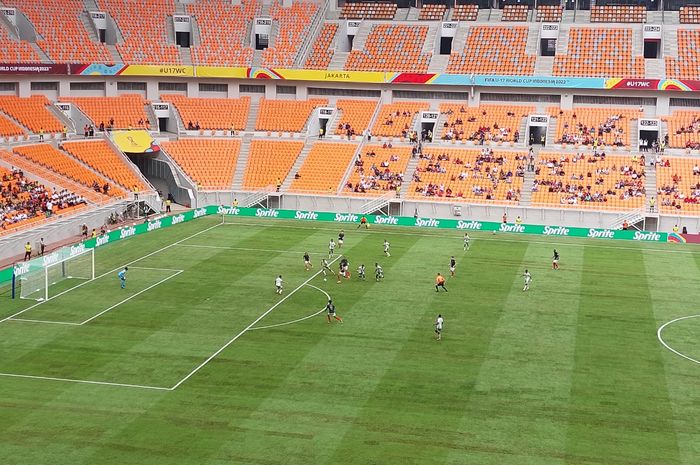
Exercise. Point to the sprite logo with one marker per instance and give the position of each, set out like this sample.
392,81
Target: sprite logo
152,226
468,225
127,232
101,240
305,215
386,220
601,233
77,249
646,236
558,231
50,259
21,268
265,213
228,210
427,223
200,212
346,218
514,228
177,219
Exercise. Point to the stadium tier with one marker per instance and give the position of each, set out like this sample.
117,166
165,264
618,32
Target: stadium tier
684,129
594,126
270,162
494,50
497,123
378,170
678,185
285,115
123,112
391,47
397,119
324,168
322,51
210,163
32,113
211,113
294,27
354,116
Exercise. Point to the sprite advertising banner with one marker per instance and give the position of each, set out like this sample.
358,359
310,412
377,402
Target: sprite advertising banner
450,224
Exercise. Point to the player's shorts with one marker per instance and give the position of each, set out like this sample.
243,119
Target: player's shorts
555,261
340,242
438,330
452,269
278,287
307,262
331,313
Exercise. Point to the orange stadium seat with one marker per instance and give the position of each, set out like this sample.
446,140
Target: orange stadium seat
396,119
612,182
549,13
687,65
494,50
31,112
143,29
368,11
16,51
294,27
599,52
355,116
465,12
49,157
689,15
127,111
480,176
322,52
269,162
63,36
378,170
618,14
684,129
100,156
434,12
678,186
209,162
222,28
285,115
514,13
212,113
8,128
582,125
392,47
324,168
497,123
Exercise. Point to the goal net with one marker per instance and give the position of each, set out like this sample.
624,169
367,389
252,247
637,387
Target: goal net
47,280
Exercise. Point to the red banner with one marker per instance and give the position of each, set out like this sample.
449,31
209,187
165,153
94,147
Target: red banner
33,68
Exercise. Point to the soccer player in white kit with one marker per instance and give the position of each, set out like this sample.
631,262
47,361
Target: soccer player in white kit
528,278
278,284
378,272
361,272
466,241
386,248
438,327
331,249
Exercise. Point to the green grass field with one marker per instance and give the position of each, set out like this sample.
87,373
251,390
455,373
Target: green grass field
570,372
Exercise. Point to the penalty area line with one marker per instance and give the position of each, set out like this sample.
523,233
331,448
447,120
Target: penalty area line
247,328
85,381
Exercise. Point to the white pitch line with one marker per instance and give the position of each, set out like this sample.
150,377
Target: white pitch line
499,237
130,297
299,319
84,381
155,269
45,321
110,272
247,328
199,246
658,335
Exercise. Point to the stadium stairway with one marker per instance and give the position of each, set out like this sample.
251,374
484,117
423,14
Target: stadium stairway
350,168
408,175
670,43
526,191
338,60
650,183
413,13
242,162
252,115
654,68
308,144
460,38
185,55
544,66
634,135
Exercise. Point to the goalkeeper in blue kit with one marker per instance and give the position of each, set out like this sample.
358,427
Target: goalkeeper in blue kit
122,277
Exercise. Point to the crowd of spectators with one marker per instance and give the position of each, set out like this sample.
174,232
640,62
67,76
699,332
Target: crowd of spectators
453,129
580,133
22,199
375,177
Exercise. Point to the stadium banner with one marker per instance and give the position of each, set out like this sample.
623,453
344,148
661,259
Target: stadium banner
373,77
31,68
135,141
97,69
221,72
678,85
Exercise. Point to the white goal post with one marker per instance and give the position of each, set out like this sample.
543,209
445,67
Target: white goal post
47,278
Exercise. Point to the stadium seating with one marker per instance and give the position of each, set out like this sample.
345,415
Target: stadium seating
212,113
494,50
378,170
368,11
678,186
396,119
549,13
209,162
31,112
465,12
585,181
322,52
63,37
324,168
49,157
222,29
355,116
8,128
514,13
102,158
684,129
24,202
582,126
435,12
392,47
285,115
689,15
127,111
618,14
16,51
492,123
687,65
599,52
269,162
145,36
480,176
294,26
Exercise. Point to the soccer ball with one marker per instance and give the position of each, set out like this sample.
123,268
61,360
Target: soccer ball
325,279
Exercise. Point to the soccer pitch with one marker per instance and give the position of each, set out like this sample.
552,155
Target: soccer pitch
199,361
